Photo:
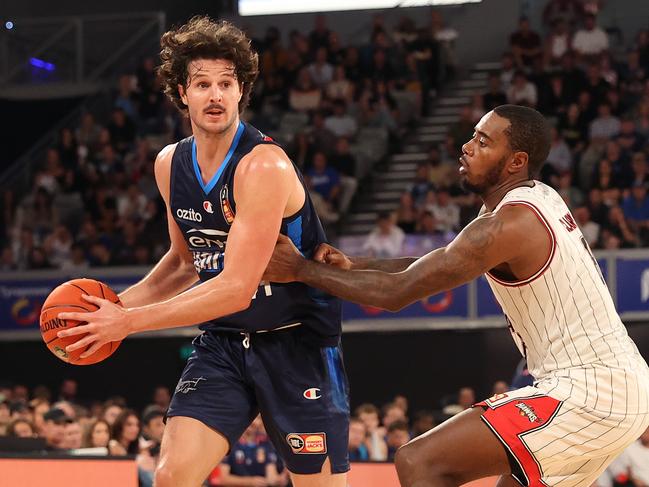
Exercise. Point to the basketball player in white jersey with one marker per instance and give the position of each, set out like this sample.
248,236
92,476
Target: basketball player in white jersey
591,395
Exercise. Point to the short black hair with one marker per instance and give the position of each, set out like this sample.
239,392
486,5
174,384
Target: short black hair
528,132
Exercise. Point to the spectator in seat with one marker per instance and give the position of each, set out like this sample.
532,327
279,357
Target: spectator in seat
305,96
320,70
322,139
525,44
500,387
573,128
340,123
357,448
386,240
122,131
560,157
605,126
465,399
445,212
568,11
397,436
96,435
393,412
406,213
340,88
161,397
72,435
54,428
424,421
20,428
250,462
324,184
591,40
344,162
640,169
522,91
375,441
617,233
507,70
588,227
558,43
636,210
125,434
495,96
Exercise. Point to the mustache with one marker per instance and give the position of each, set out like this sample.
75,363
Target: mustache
214,106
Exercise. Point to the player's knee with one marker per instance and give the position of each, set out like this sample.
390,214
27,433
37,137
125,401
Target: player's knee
411,460
168,476
405,460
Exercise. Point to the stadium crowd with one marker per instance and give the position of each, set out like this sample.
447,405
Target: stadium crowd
94,200
597,98
66,424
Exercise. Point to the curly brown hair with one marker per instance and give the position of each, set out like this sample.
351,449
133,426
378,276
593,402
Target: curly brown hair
204,38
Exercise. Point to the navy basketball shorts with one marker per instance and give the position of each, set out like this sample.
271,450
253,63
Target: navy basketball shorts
299,388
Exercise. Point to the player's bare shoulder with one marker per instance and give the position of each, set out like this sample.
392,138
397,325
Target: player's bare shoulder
162,169
267,158
164,157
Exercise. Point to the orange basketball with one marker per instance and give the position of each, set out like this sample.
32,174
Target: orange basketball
67,298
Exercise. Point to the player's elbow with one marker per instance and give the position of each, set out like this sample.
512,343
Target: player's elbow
241,294
395,304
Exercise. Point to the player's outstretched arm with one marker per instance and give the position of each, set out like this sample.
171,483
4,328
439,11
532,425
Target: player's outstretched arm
269,181
175,272
488,241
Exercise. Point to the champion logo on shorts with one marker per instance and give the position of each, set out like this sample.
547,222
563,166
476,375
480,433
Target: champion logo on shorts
186,386
307,443
528,411
312,394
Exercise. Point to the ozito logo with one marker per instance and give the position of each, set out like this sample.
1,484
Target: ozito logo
191,215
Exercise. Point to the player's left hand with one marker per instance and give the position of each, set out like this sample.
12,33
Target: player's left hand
107,324
285,262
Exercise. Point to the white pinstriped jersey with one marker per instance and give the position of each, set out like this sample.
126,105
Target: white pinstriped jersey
563,318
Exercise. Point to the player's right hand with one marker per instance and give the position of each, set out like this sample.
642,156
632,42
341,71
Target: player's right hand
285,262
328,254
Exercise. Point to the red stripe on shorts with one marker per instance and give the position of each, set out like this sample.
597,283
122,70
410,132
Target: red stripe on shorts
512,420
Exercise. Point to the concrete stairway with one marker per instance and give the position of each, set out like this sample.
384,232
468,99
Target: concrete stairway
382,190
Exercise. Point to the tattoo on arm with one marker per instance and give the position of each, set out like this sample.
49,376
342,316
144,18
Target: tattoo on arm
483,233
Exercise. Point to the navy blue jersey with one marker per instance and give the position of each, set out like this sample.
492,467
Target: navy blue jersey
204,214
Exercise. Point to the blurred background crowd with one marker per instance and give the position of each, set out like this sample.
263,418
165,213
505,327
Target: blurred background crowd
94,200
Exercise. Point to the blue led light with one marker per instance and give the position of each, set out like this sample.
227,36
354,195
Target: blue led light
9,25
39,63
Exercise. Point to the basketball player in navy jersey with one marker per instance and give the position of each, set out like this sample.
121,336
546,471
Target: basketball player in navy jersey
274,349
590,398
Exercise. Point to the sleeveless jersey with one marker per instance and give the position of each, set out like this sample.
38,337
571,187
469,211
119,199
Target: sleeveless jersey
563,318
204,214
